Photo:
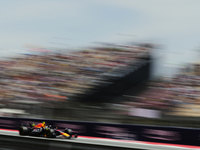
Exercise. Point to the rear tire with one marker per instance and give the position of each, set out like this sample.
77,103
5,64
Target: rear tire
50,133
23,130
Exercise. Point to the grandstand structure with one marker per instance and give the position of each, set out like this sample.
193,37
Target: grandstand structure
121,81
185,92
48,82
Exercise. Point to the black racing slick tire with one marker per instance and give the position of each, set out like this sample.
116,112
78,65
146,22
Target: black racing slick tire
23,130
50,133
75,135
68,131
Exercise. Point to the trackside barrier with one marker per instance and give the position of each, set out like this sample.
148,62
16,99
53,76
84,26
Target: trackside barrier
172,135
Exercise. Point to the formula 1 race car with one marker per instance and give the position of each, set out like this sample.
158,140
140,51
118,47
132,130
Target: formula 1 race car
47,131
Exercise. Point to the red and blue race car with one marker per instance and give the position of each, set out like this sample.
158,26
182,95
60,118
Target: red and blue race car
46,131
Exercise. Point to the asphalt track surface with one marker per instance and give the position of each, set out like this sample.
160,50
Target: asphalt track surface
120,143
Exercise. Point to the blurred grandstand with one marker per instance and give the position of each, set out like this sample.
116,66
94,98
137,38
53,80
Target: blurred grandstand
176,98
49,84
104,84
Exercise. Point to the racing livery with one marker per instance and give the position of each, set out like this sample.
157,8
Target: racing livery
46,131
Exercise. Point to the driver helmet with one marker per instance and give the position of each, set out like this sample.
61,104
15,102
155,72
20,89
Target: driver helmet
44,124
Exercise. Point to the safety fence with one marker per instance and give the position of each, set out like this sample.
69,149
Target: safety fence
172,135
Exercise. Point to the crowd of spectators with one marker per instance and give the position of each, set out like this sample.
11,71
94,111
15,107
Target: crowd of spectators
56,78
185,89
59,77
179,95
152,98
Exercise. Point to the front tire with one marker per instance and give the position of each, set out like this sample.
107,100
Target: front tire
68,131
